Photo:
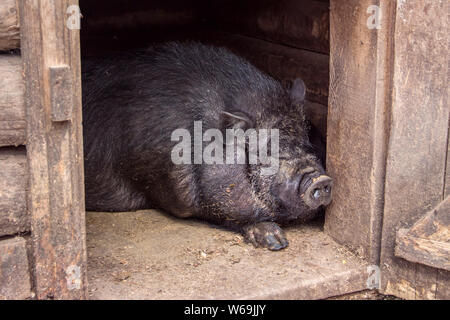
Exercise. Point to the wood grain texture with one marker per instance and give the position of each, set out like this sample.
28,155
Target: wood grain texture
14,271
428,241
9,25
358,117
303,24
418,141
12,105
60,93
14,217
442,287
54,152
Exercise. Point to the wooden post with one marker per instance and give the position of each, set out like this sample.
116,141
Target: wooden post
54,149
358,118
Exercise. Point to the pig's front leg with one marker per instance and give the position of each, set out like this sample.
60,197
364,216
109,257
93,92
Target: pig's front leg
267,235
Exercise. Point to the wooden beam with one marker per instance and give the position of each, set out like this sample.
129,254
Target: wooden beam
12,105
9,25
14,217
54,152
14,271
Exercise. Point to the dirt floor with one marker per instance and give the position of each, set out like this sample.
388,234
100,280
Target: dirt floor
149,255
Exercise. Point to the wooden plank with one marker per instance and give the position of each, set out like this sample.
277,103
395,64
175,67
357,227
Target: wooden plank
428,240
358,117
54,151
14,272
303,24
12,105
9,25
424,251
418,141
14,217
119,16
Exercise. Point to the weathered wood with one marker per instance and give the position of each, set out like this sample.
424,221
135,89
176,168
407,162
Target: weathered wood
14,217
302,24
418,141
428,241
54,151
14,271
12,106
431,253
60,95
9,25
120,16
358,117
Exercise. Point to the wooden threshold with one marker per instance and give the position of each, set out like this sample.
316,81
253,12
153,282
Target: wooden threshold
149,255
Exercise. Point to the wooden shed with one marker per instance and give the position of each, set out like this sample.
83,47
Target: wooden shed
377,78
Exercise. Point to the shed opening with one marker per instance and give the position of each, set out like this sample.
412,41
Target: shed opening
151,255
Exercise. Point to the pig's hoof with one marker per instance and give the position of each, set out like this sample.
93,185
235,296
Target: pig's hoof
267,235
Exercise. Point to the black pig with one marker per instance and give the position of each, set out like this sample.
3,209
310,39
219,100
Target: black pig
133,102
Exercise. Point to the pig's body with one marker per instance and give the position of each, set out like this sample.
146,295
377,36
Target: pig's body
133,103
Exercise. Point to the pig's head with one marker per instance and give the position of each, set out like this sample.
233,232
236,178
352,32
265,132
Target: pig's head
299,185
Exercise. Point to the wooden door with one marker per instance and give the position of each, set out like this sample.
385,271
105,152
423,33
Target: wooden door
415,247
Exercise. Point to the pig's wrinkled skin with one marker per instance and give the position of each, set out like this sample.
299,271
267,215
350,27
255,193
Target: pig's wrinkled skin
134,101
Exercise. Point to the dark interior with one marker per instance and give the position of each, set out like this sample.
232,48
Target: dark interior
286,39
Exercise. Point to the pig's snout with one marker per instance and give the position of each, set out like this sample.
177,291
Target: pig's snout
311,186
318,191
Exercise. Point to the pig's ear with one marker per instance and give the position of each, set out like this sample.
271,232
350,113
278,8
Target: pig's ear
236,120
298,91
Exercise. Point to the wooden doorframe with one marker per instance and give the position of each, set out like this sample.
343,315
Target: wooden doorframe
385,92
51,68
388,133
361,59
